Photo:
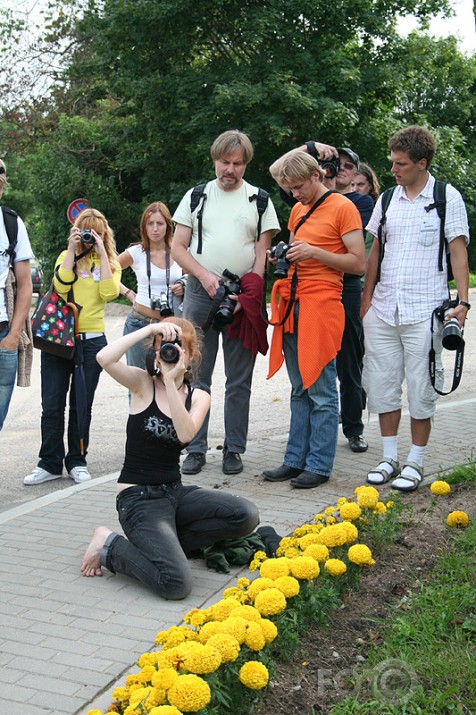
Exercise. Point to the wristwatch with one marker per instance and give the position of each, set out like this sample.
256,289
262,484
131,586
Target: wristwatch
466,305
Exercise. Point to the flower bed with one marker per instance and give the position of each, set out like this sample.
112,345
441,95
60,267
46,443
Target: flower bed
221,657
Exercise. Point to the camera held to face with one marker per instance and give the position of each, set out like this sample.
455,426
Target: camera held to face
451,335
226,309
330,166
86,237
161,304
282,264
169,352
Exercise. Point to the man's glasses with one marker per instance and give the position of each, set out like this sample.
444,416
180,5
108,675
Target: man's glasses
347,165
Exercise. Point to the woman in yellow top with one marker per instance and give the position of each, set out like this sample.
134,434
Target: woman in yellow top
89,266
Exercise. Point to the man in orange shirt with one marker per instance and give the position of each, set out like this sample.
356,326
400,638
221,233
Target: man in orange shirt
309,319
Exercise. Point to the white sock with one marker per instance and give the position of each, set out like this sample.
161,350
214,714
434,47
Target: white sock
390,447
416,454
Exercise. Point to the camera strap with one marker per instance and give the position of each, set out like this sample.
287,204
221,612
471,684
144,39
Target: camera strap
167,272
217,300
458,366
294,279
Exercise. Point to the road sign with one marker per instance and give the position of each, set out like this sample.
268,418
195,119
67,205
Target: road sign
75,208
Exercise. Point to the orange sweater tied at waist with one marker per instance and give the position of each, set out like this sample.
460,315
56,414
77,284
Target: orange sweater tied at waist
321,324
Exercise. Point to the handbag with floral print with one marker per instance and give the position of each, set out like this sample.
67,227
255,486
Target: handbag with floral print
53,324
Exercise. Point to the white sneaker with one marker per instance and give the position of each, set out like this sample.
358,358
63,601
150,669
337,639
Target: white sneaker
79,474
40,475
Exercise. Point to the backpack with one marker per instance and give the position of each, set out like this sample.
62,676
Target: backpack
439,203
198,192
10,219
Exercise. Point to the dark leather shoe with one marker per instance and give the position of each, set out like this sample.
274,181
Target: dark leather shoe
357,443
308,480
232,463
281,474
193,463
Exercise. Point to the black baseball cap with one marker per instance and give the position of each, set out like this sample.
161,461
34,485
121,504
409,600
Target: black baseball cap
351,154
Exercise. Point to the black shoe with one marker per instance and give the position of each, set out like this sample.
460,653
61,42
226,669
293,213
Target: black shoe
193,463
357,443
281,474
232,463
308,480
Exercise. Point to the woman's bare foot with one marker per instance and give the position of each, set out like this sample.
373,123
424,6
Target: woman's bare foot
91,565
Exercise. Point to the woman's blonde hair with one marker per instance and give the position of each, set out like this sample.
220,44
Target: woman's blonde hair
190,342
155,207
93,219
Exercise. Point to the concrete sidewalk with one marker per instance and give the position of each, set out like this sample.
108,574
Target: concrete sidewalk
66,641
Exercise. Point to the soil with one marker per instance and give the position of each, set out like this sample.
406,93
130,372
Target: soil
318,675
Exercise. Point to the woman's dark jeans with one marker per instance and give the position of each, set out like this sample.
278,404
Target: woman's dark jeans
57,378
164,524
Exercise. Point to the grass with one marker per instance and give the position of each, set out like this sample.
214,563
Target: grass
427,663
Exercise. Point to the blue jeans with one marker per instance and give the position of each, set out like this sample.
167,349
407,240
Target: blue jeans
239,364
312,437
57,378
8,373
164,524
135,356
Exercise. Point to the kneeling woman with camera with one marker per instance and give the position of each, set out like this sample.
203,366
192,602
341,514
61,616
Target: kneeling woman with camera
90,269
160,285
163,519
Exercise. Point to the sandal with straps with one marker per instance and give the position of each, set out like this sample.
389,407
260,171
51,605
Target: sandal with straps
382,476
413,480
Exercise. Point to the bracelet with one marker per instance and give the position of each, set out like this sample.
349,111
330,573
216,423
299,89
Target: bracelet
311,149
465,304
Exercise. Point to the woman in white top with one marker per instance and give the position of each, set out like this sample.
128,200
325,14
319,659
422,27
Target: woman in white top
160,284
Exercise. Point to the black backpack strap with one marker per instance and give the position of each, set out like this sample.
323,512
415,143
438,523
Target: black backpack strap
198,192
439,203
386,198
10,219
262,200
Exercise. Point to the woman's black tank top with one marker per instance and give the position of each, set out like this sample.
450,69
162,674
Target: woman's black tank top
152,447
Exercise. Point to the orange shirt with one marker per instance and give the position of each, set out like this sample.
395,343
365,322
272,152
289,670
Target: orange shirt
335,217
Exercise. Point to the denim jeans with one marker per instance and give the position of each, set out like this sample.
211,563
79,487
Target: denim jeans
8,373
239,364
312,437
349,359
57,378
135,356
164,524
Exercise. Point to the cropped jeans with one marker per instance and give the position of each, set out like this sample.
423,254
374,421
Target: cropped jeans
164,524
313,429
8,373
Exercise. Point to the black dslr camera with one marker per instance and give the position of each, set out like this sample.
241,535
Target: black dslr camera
282,264
86,237
226,309
169,352
451,335
161,304
331,167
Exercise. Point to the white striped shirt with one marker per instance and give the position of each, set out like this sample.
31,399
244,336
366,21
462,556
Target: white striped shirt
410,281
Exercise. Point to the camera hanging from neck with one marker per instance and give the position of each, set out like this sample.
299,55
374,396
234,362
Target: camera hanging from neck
456,343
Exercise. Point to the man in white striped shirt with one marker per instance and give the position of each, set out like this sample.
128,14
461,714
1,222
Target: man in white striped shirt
397,308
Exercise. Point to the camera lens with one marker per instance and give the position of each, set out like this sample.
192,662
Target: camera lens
86,236
169,352
452,336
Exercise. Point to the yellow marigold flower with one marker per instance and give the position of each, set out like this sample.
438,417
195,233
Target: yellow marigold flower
361,555
389,504
222,609
274,568
270,602
330,520
350,530
317,551
236,627
233,592
132,679
335,567
349,511
147,659
208,629
146,673
319,517
243,583
300,531
307,540
329,511
341,501
95,712
149,697
457,519
367,497
121,694
227,645
259,584
170,658
334,535
260,556
291,552
269,629
189,693
288,585
254,637
285,542
379,508
203,661
304,567
196,617
440,487
165,710
254,675
254,565
249,613
164,678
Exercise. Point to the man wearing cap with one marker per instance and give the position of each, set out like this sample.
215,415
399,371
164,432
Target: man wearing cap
349,359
